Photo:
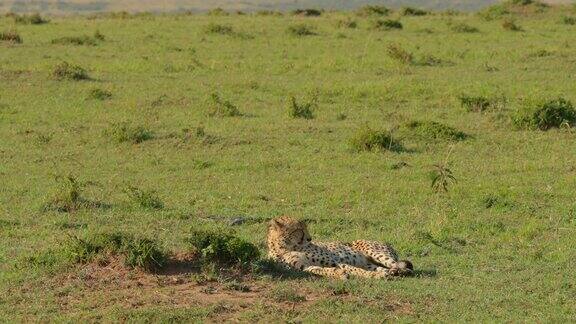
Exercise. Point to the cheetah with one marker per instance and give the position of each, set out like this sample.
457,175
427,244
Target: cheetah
290,244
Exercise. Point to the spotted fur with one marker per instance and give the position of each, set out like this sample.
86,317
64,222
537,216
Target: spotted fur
290,244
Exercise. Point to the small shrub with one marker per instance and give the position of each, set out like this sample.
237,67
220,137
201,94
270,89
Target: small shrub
463,28
99,36
441,177
268,13
222,248
124,132
475,104
283,294
509,24
147,199
99,94
367,11
346,23
33,19
144,253
430,130
66,71
307,12
399,54
11,36
341,116
218,12
367,139
223,108
76,40
409,11
566,20
301,110
494,12
386,24
137,252
301,30
68,198
219,29
431,60
543,116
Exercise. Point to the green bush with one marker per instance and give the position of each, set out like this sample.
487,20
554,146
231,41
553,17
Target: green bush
301,110
66,71
33,19
399,54
307,12
99,94
68,197
430,130
137,252
494,12
367,11
475,103
569,20
222,248
346,23
124,132
386,24
223,108
409,11
546,115
219,29
147,199
300,30
11,36
367,139
463,28
510,24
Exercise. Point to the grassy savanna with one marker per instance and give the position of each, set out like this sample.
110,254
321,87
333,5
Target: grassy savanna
158,126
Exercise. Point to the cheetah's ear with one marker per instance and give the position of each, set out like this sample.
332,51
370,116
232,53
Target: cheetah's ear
276,223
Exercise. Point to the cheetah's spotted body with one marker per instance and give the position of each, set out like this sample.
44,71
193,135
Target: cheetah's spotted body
290,244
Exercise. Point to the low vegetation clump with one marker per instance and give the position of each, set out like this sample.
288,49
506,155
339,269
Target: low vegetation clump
430,130
126,133
217,12
568,20
510,24
368,139
346,23
410,11
219,29
33,19
223,108
99,94
222,248
475,103
544,116
386,24
285,294
367,11
137,252
66,71
494,12
300,30
68,197
10,36
147,199
399,54
76,40
463,28
303,110
307,12
441,177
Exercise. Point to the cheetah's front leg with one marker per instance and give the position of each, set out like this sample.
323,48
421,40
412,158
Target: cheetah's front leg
378,273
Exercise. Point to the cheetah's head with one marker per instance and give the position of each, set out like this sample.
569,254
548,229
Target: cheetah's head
287,233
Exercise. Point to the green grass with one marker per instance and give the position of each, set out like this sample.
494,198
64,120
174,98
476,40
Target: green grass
495,246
